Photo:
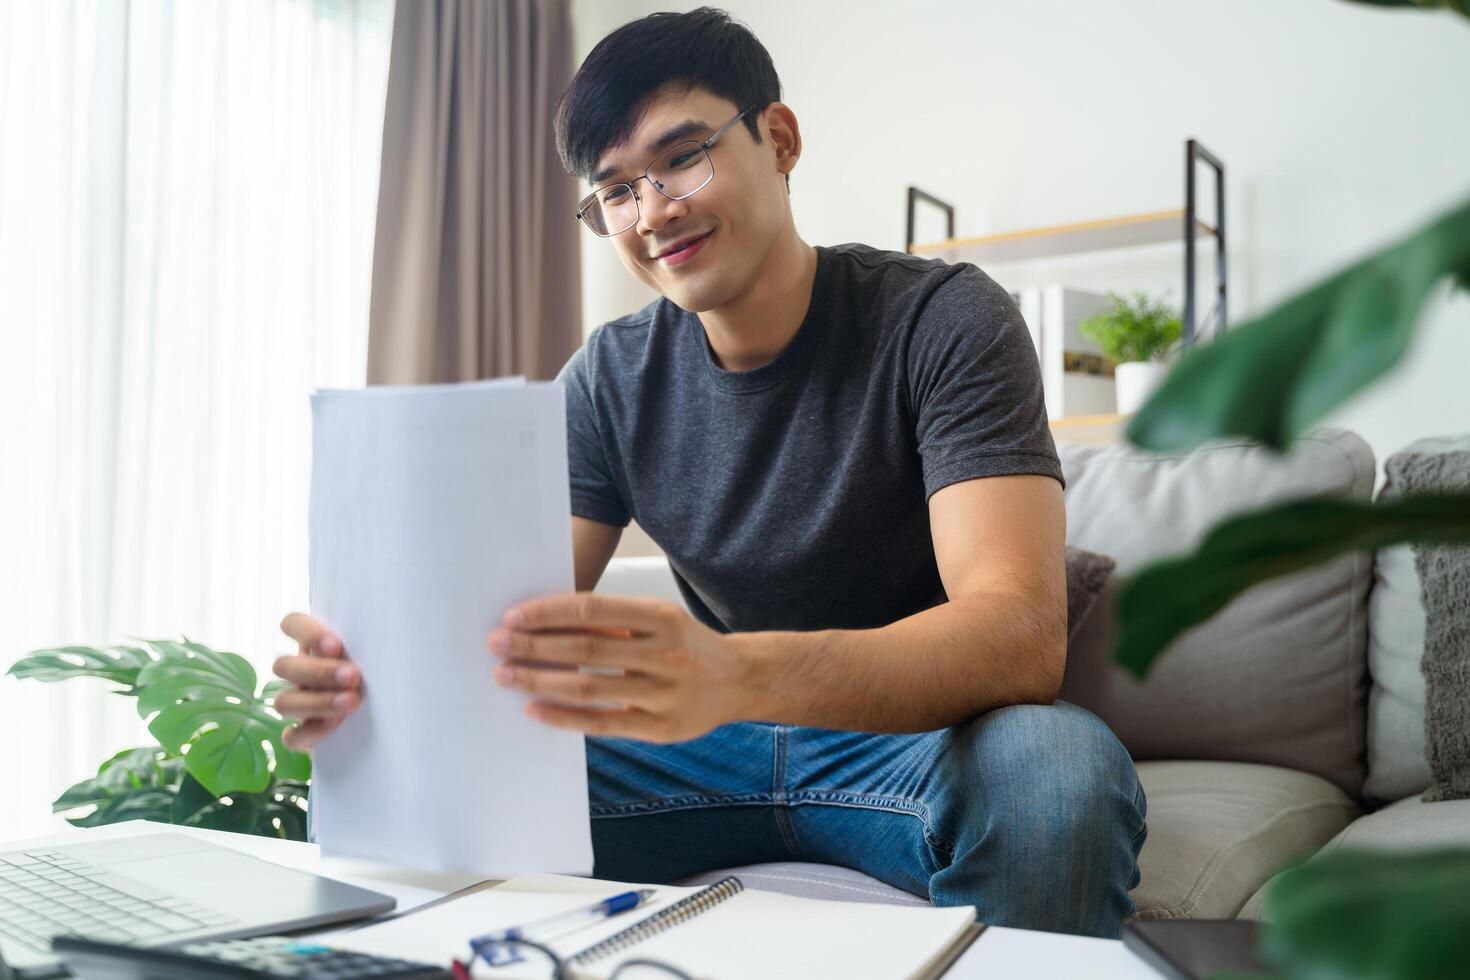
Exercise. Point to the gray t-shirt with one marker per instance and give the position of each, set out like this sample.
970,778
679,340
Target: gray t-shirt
795,495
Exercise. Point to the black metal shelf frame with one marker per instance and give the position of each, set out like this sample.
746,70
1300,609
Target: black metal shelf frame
1194,151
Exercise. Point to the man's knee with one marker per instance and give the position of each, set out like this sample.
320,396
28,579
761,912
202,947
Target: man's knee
1050,795
1060,751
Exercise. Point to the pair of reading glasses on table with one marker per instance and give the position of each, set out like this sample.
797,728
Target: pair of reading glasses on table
494,952
506,946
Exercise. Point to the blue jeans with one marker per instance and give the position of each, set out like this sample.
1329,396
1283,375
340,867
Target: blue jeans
1032,814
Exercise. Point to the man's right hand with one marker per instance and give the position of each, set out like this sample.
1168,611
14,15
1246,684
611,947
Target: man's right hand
326,687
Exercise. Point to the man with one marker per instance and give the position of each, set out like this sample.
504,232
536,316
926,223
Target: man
844,453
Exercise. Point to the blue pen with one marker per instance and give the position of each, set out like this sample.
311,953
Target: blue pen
574,919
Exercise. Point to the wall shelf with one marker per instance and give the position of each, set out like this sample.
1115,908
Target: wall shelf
1086,236
1125,231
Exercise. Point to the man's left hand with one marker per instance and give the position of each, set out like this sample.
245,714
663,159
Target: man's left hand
658,674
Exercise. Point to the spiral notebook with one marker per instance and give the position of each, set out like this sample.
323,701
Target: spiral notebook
722,931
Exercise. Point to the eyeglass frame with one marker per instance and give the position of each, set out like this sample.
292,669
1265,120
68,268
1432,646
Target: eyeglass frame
559,966
586,203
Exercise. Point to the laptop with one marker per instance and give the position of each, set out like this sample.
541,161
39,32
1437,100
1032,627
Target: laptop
157,890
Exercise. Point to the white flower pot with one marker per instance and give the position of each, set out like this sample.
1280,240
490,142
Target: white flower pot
1136,380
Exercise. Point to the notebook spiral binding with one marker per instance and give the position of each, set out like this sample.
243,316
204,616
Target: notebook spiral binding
681,911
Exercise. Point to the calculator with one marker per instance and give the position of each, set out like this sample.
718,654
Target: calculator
264,957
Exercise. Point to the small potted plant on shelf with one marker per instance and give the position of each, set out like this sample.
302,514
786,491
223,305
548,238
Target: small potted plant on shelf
1138,335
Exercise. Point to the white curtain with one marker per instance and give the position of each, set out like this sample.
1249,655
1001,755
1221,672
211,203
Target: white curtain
187,197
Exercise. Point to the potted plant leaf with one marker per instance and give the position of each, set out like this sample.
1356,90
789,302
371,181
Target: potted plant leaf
219,761
1138,335
1351,914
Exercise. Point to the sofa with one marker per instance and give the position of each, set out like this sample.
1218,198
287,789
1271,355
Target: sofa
1290,724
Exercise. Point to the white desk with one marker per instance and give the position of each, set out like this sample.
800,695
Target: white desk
998,954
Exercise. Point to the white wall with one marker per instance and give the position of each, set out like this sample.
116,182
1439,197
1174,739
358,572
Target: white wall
1341,126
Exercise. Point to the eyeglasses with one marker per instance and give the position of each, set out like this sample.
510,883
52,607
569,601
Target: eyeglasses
494,951
676,174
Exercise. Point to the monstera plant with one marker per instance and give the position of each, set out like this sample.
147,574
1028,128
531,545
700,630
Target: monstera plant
1355,914
219,761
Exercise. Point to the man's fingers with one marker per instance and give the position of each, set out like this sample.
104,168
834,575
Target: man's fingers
581,688
312,636
301,737
316,704
576,649
608,723
589,610
317,673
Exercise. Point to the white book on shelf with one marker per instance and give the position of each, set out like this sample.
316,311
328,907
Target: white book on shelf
1074,375
1029,303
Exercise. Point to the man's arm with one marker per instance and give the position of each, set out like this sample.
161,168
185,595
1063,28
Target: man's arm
593,544
1000,639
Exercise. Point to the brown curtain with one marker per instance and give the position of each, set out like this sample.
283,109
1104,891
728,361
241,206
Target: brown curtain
475,265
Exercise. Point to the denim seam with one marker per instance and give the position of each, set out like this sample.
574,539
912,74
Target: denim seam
667,803
865,801
778,792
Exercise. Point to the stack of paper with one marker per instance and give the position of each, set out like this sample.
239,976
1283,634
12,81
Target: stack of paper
434,509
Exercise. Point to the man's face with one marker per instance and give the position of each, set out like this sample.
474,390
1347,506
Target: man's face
741,211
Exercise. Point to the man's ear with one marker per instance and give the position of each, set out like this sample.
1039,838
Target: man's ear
785,135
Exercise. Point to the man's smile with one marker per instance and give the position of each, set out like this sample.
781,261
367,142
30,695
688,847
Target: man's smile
684,250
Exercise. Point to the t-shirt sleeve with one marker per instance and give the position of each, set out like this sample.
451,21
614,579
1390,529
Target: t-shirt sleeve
975,386
595,495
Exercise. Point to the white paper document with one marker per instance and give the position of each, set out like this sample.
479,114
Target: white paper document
433,509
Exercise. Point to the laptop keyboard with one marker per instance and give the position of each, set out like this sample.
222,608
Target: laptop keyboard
45,894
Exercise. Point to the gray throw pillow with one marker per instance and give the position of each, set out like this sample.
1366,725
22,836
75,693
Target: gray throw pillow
1398,763
1444,577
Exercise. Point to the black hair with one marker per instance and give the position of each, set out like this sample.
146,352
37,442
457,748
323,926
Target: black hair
705,48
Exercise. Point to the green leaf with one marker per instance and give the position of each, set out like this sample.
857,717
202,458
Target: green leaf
119,664
289,810
1372,915
1271,378
189,800
1459,6
241,815
125,773
247,813
1164,599
194,663
206,700
144,804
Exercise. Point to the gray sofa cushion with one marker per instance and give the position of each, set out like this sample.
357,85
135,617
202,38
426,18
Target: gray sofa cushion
1218,830
1277,677
1397,765
1409,823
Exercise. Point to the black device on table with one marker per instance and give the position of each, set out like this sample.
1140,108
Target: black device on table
263,958
1196,949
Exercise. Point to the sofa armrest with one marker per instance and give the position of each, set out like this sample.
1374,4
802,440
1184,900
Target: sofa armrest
640,576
